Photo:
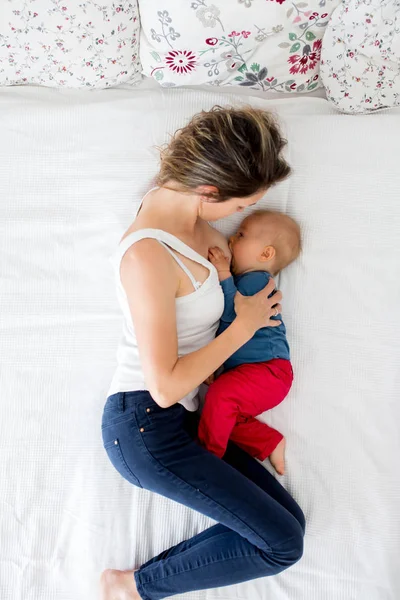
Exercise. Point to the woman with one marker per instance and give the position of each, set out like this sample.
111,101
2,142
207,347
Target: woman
220,163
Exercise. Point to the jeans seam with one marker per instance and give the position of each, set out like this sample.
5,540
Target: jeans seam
194,568
217,504
139,587
277,546
104,427
125,464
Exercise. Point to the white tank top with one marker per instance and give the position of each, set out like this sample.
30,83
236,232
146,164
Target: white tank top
197,314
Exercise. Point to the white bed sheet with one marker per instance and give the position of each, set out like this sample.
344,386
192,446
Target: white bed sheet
73,166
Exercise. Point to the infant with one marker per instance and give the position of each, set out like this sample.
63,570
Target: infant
259,375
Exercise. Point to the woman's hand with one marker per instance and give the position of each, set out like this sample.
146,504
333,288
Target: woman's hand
256,311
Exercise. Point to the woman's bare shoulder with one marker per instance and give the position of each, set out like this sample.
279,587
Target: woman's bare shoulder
145,259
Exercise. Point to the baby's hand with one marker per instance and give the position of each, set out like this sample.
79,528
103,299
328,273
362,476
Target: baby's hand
220,262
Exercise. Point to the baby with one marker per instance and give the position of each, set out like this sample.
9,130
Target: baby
259,375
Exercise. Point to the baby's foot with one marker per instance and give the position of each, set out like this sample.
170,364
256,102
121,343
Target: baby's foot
118,585
277,457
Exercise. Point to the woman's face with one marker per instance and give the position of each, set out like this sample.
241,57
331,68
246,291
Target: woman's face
212,211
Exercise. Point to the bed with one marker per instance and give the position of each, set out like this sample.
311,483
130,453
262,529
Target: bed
73,167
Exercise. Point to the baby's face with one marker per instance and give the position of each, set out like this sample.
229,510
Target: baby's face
247,246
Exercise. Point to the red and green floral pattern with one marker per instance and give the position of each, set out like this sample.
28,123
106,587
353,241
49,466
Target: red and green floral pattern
261,44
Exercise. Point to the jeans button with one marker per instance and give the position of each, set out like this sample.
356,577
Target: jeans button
148,410
141,429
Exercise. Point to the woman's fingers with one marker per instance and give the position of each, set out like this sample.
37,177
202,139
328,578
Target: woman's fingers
267,291
276,298
260,311
269,288
274,323
277,309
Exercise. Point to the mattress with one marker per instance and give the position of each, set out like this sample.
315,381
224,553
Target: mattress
73,166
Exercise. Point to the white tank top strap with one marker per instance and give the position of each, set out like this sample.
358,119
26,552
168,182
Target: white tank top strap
196,284
145,196
156,187
170,242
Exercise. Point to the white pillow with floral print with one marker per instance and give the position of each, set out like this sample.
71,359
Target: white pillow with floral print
69,43
260,44
361,56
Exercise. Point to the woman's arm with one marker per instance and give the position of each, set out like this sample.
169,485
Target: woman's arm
151,283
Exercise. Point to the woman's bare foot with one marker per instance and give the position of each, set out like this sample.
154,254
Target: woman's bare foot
277,457
118,585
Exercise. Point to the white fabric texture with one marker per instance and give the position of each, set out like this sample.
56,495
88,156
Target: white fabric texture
73,167
69,43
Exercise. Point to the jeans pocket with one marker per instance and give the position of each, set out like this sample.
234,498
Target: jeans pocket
117,459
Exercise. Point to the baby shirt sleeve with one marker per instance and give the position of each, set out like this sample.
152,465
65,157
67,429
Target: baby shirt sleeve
229,289
253,282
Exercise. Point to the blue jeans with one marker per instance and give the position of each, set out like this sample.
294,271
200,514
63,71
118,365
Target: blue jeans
260,527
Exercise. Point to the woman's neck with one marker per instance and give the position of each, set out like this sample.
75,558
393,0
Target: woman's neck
170,210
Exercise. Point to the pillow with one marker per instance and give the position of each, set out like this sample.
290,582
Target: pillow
261,44
68,43
361,56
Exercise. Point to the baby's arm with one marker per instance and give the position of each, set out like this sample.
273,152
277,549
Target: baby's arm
222,264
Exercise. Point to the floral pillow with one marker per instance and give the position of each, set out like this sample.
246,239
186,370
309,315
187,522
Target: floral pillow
69,43
261,44
361,56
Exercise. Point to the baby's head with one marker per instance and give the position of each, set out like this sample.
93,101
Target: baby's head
265,241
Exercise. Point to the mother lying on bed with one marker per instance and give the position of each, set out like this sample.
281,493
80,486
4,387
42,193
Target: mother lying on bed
220,163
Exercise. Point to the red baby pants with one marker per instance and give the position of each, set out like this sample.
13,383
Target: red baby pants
235,398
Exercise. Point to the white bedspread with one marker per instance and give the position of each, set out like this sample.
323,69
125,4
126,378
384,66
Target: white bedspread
72,167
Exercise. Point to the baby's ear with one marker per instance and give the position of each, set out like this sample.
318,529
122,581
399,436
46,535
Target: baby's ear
268,254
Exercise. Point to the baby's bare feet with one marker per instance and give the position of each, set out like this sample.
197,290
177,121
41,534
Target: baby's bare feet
277,457
118,585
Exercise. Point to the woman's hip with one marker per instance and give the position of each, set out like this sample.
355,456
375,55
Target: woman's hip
137,434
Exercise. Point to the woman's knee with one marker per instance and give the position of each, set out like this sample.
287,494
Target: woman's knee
300,518
286,553
290,551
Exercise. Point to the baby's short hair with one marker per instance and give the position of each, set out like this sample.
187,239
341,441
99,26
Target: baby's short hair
285,234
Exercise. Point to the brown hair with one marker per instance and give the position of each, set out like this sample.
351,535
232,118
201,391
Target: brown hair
237,150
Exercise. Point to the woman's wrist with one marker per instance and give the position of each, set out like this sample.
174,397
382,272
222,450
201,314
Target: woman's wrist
192,369
241,330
